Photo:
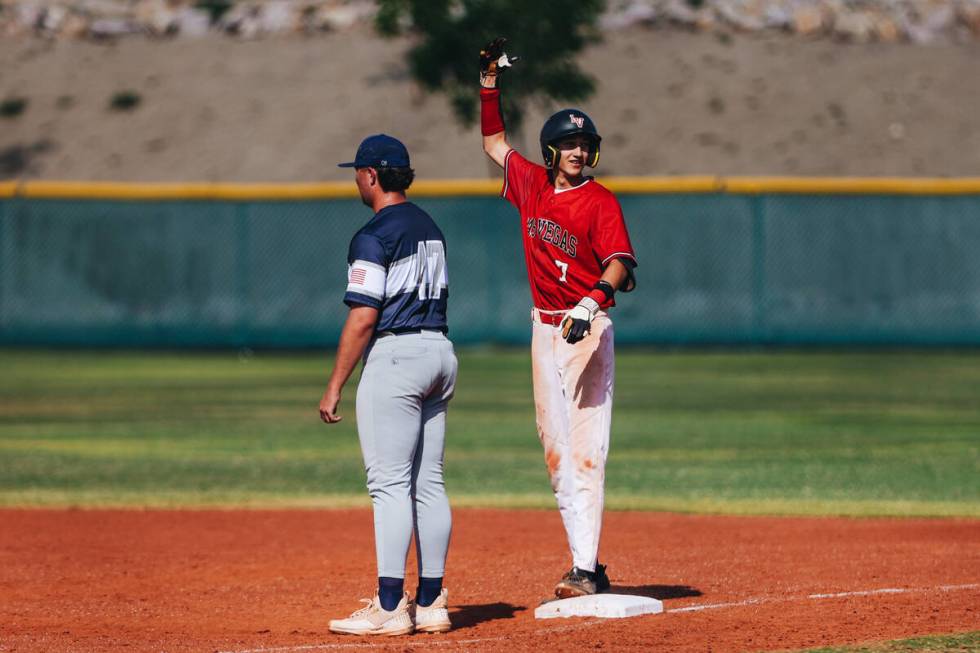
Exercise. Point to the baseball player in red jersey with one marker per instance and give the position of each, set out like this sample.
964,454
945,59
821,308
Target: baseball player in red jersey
578,255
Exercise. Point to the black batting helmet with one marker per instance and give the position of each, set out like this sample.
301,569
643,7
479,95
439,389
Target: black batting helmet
568,122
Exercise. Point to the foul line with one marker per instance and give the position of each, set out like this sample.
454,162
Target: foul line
817,597
592,622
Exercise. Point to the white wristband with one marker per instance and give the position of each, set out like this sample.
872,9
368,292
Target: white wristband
591,305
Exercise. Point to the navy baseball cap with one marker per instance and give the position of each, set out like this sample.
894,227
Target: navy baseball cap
379,151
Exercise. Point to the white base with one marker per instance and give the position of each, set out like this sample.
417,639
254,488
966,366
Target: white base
609,606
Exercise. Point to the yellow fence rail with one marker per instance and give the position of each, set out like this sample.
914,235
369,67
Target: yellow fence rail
486,187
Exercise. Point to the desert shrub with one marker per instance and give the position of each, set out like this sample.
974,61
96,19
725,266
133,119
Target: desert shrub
125,101
12,107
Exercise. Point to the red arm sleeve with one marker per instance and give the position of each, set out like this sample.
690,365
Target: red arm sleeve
491,120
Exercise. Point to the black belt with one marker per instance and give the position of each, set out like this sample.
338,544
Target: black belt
402,332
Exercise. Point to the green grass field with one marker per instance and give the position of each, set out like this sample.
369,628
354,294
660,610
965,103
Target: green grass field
963,643
854,433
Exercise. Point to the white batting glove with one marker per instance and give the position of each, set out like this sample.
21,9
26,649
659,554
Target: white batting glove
578,321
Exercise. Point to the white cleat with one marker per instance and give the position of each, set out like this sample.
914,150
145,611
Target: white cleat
434,618
372,619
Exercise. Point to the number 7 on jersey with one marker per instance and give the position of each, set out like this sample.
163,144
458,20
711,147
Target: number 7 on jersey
563,266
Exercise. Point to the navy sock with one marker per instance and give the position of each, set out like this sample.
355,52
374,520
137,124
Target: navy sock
428,592
390,591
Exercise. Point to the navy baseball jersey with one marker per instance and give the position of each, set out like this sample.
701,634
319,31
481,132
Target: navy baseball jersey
397,264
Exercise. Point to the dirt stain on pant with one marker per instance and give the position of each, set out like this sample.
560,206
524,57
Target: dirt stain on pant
553,459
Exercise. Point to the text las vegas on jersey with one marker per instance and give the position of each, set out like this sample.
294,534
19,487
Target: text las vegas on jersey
551,232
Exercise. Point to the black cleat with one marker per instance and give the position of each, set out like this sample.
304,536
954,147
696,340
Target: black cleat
601,579
575,583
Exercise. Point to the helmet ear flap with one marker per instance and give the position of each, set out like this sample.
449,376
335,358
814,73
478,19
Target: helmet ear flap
594,155
552,157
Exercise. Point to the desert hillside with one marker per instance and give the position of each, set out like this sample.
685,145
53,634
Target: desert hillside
669,101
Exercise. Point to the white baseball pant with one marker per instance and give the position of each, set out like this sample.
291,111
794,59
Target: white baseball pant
573,392
402,397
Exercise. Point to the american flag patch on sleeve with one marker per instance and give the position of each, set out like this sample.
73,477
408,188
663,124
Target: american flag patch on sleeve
367,278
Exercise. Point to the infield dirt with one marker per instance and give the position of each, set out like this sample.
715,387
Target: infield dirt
97,580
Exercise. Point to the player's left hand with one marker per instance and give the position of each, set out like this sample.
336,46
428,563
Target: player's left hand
493,60
328,406
578,321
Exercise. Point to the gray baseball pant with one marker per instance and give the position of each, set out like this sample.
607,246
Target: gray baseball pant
405,387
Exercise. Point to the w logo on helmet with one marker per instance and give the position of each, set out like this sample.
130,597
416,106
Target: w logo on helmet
564,123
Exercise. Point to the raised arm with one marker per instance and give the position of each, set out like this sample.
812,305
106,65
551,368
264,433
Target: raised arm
493,60
495,144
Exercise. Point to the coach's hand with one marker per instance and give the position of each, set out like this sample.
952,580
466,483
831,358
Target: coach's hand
578,321
328,406
493,60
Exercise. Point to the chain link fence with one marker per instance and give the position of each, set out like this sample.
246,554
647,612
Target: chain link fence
715,268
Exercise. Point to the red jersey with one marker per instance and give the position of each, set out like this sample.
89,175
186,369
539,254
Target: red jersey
570,234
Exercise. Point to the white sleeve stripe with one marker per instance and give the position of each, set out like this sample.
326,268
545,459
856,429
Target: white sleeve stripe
503,193
617,255
367,278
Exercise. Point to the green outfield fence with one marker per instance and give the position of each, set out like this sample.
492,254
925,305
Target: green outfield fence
726,261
